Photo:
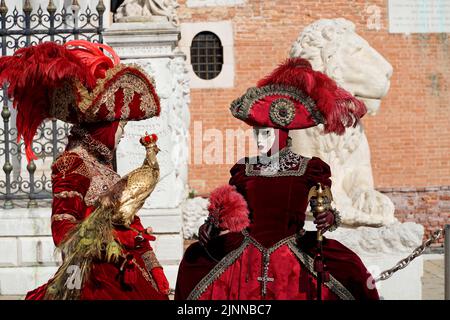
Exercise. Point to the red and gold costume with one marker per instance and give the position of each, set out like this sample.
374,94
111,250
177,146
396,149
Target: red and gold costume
272,257
77,83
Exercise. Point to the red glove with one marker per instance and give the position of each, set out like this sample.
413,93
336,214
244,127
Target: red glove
324,221
134,239
160,279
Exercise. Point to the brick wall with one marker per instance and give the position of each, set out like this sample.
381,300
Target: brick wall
409,138
428,206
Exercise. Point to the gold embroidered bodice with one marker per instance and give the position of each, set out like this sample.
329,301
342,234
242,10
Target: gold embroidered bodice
101,176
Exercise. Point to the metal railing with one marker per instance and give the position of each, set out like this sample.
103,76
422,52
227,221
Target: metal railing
30,26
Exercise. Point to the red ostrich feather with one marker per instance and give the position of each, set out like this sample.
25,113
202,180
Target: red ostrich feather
229,208
339,108
33,72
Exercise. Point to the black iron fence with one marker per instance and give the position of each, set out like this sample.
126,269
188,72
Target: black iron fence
22,183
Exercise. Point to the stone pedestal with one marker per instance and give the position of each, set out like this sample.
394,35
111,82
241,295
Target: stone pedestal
154,46
195,212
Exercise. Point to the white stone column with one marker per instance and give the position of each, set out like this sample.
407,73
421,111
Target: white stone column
154,46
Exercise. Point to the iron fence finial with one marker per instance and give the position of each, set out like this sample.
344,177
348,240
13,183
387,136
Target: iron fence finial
3,8
51,8
100,7
27,7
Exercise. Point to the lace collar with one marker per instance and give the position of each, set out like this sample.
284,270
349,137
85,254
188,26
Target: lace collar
284,163
80,137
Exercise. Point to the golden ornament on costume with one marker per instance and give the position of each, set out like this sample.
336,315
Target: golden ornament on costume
320,200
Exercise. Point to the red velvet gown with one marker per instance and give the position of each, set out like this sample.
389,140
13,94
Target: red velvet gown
273,259
78,178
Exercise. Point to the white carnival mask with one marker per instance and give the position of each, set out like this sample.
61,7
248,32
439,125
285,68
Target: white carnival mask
265,138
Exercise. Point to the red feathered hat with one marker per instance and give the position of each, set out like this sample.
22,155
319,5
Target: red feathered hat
76,83
294,96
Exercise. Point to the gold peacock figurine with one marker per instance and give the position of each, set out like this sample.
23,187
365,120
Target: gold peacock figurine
128,195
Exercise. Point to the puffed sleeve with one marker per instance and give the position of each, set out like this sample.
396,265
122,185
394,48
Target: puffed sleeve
318,171
70,183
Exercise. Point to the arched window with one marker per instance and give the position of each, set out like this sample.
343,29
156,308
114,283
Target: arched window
206,55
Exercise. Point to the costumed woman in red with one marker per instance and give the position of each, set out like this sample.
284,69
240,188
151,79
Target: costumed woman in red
253,245
79,84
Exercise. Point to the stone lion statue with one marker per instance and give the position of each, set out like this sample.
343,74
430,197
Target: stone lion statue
147,10
333,47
